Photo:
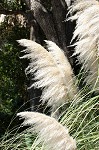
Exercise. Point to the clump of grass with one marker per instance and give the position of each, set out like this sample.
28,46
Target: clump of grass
80,113
81,117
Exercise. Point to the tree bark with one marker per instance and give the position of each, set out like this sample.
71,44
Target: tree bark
45,20
59,13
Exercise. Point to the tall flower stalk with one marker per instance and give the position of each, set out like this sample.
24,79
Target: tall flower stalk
86,14
52,133
52,72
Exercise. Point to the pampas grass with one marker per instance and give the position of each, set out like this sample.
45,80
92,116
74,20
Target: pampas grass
81,119
53,134
52,72
86,15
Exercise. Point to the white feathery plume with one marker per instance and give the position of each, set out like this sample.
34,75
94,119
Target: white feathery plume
64,67
80,5
52,74
52,133
86,32
68,2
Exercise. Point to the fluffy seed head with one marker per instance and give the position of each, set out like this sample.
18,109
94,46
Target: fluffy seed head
52,133
86,33
52,72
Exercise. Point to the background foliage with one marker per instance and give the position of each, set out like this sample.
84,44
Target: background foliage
13,87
